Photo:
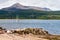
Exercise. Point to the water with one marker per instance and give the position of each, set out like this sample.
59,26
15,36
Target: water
53,26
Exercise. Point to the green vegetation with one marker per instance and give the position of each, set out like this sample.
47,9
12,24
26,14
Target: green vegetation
29,14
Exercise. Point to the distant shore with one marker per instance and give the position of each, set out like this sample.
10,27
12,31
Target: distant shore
29,19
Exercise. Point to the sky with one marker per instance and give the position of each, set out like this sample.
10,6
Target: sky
52,4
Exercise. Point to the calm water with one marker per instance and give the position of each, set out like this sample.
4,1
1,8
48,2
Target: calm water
53,26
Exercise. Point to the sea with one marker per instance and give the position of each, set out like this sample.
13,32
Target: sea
52,26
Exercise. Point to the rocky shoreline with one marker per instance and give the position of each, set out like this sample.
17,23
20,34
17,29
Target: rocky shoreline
32,33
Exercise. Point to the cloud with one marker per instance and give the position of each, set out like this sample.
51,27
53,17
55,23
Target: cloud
2,1
52,4
7,3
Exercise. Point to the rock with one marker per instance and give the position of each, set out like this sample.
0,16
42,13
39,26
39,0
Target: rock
2,30
35,31
8,31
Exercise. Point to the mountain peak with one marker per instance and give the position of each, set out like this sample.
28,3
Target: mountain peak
17,5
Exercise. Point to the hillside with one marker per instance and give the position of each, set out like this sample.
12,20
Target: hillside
29,14
18,11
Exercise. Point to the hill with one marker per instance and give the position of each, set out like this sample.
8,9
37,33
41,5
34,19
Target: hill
18,11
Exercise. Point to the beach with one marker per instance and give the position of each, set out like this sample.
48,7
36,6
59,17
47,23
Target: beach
27,34
20,37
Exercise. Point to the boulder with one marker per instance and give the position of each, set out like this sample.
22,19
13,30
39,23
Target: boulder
35,31
2,30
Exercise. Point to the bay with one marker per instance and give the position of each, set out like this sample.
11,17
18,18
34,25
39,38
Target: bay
52,26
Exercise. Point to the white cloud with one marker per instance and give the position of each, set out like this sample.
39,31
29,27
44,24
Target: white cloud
53,4
1,1
7,3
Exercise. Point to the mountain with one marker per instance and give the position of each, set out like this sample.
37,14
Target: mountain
18,6
28,12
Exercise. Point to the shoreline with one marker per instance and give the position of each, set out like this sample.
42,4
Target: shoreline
29,19
27,34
